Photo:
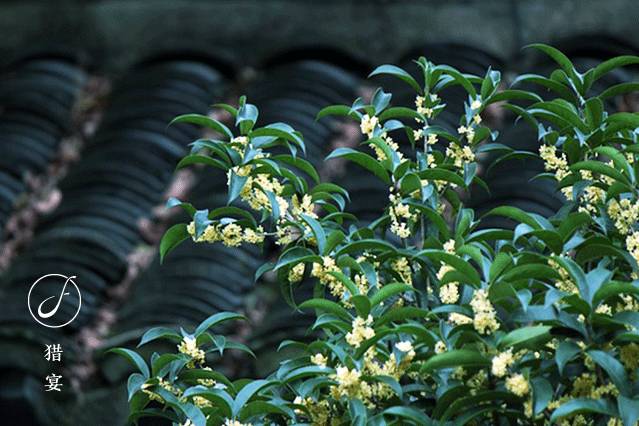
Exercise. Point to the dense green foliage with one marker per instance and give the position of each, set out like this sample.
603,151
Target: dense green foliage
423,316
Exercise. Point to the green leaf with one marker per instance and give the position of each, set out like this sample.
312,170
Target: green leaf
201,159
614,288
409,413
442,175
295,255
366,245
389,290
599,167
455,358
216,319
327,306
628,410
556,87
461,266
530,271
318,232
246,117
380,100
203,120
542,394
159,333
532,337
300,163
561,59
583,406
516,214
134,384
362,305
564,353
220,399
513,94
236,183
362,159
614,368
134,359
247,392
614,63
396,72
261,409
619,89
172,238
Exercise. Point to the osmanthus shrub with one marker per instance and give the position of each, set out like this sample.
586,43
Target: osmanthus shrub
421,316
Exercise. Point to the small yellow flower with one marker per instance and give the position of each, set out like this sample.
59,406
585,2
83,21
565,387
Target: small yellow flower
188,346
518,385
296,273
501,363
449,293
485,320
440,347
361,331
476,104
319,360
368,124
459,319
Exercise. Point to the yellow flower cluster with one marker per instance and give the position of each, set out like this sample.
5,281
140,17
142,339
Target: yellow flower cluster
319,411
188,346
468,131
207,382
565,283
449,246
361,330
303,206
231,234
459,319
518,385
431,140
201,402
501,362
585,386
627,304
449,293
629,356
164,385
460,155
401,265
368,125
406,347
422,109
553,162
319,360
440,347
255,189
632,245
286,234
381,155
362,283
349,384
321,272
485,319
296,273
591,196
390,367
625,213
400,215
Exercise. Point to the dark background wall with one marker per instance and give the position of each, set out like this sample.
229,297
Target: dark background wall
116,32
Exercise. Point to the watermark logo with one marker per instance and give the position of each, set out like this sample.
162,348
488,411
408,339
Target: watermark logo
47,294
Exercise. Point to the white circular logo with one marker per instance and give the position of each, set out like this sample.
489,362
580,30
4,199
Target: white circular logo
46,310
